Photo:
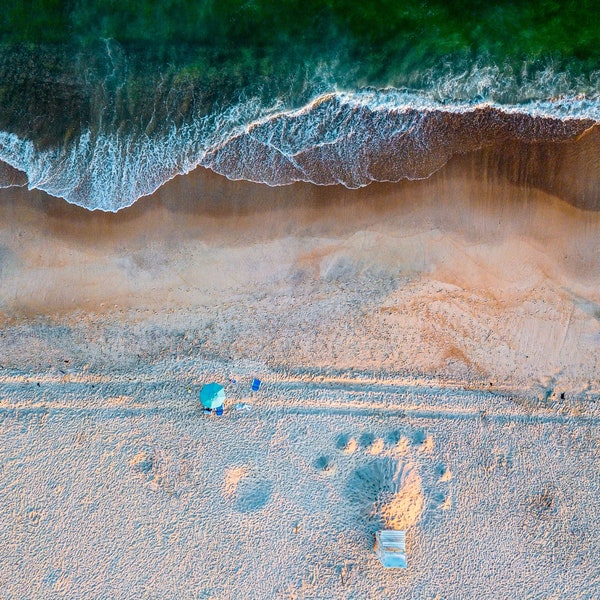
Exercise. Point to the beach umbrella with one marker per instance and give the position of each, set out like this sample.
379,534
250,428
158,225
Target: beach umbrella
212,395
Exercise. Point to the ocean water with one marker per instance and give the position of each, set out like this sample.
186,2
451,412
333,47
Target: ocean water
101,102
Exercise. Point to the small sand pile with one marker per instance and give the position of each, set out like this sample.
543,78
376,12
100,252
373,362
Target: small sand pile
404,508
233,476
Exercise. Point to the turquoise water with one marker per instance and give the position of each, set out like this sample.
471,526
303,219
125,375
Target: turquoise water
102,102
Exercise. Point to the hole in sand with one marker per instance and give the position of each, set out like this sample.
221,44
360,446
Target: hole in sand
325,464
342,441
443,472
543,504
388,491
252,494
419,437
376,447
142,463
366,439
394,437
346,443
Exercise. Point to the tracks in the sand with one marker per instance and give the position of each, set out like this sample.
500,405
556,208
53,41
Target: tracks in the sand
297,394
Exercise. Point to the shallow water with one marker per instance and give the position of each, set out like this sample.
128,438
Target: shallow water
101,108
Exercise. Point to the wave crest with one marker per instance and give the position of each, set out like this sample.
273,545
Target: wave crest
348,138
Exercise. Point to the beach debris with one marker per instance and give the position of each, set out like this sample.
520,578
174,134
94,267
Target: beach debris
390,548
256,383
212,396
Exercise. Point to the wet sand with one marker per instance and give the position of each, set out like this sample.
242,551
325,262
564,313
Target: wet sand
465,273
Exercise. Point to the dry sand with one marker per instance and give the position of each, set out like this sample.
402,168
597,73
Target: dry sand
430,352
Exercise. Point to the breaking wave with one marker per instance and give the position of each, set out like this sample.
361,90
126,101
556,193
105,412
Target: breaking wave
350,138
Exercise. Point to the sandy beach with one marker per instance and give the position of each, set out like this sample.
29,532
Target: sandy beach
429,352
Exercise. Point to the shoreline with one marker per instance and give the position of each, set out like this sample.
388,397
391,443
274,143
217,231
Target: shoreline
375,145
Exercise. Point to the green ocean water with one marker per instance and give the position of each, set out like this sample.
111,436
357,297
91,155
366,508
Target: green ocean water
225,46
143,71
386,39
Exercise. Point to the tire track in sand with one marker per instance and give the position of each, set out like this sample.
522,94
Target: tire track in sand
126,396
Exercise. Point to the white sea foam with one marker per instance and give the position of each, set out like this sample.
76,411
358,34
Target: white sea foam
351,138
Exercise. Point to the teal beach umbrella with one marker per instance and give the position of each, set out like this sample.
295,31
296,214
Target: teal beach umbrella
212,395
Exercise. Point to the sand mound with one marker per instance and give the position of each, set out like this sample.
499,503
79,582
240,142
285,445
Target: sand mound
233,476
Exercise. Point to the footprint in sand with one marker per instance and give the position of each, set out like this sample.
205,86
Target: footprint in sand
497,461
543,504
398,484
252,494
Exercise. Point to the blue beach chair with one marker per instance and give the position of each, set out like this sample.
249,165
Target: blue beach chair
256,385
219,410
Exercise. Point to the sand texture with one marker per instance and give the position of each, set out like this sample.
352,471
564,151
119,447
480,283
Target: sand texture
429,353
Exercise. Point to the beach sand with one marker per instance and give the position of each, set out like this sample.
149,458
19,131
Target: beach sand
430,354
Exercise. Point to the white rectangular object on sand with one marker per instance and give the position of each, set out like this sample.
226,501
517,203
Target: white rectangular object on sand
390,548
